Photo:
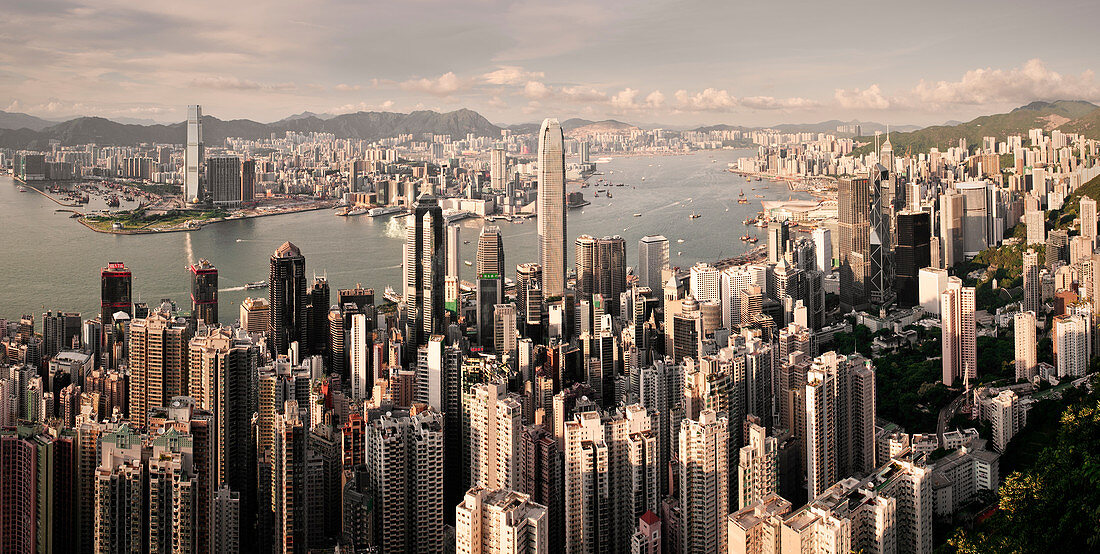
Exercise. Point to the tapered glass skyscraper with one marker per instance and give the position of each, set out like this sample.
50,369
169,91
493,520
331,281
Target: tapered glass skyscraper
193,155
551,205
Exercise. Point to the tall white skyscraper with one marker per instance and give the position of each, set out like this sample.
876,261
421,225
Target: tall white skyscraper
652,260
1088,218
498,165
193,155
931,282
359,348
704,482
551,206
454,240
1024,333
823,249
1033,286
960,352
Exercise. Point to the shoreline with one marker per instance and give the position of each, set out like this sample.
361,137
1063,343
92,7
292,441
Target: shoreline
203,224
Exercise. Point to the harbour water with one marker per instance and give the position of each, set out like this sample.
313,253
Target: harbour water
52,262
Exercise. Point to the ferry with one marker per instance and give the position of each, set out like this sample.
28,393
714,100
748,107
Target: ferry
695,215
637,215
385,210
742,201
467,262
358,211
679,240
256,285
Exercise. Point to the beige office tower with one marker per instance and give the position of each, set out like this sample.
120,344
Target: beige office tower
1035,223
1026,356
505,329
551,208
255,315
672,309
610,477
586,261
500,521
404,459
704,482
496,422
704,282
158,364
952,207
498,166
959,342
1033,285
1088,218
758,468
755,528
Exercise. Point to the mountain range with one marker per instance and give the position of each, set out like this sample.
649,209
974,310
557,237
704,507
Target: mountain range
22,131
1070,116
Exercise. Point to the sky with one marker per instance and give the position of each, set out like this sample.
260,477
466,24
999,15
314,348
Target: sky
648,62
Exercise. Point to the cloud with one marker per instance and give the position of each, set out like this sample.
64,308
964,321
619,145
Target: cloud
234,83
771,103
343,87
709,100
655,99
511,75
362,107
496,102
1033,81
870,98
536,90
444,85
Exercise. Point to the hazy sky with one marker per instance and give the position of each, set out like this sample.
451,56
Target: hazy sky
682,62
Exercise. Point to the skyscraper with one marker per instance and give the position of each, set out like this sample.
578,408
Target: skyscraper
1025,341
704,282
960,356
287,299
779,234
115,292
159,356
853,225
551,206
404,459
498,166
1071,339
1088,218
1033,286
952,208
495,425
882,272
248,188
500,521
193,156
652,261
704,482
454,242
490,281
223,180
758,467
424,267
823,249
912,254
204,292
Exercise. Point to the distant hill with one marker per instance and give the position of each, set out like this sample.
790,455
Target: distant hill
1088,125
596,127
14,120
1045,115
831,126
360,125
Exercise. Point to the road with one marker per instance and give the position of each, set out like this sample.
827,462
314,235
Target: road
948,412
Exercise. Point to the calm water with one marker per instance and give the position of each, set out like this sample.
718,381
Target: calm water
53,262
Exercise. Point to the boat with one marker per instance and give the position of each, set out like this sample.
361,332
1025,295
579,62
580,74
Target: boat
695,215
754,240
679,240
643,178
748,178
256,285
759,195
465,242
22,189
609,194
637,215
744,238
358,211
384,210
467,262
343,212
742,201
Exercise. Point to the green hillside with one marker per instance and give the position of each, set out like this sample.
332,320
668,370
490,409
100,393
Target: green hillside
1088,125
1046,115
